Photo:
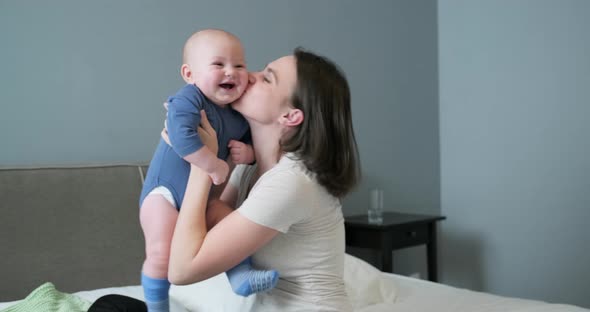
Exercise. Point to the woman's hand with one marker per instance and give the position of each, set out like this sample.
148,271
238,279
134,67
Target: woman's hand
208,134
164,133
209,138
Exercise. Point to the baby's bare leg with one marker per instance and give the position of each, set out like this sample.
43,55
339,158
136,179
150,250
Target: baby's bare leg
158,219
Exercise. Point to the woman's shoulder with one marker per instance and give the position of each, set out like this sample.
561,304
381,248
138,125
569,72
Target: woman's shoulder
291,163
290,169
291,173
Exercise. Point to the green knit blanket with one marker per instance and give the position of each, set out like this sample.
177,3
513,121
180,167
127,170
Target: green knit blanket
48,299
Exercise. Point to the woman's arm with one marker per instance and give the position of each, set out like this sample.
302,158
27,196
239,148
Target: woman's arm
196,254
222,200
191,226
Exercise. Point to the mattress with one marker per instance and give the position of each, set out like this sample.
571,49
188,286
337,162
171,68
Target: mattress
369,290
420,296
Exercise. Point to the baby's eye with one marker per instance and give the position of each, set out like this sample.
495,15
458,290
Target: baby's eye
265,79
217,64
240,66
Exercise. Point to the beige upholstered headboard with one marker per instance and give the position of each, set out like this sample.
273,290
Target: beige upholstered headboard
75,227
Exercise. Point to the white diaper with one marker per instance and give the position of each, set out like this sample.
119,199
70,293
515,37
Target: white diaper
165,192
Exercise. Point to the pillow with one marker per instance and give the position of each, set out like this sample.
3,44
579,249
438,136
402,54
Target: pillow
365,285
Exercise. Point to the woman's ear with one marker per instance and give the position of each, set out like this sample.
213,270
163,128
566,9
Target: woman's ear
292,118
186,73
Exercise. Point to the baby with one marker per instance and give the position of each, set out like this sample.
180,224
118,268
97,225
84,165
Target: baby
215,72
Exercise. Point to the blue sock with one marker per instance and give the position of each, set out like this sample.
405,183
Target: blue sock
245,280
156,293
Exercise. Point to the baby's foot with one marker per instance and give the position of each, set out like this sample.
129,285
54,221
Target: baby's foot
245,280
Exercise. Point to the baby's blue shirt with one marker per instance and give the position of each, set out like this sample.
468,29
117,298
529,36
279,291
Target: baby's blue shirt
168,168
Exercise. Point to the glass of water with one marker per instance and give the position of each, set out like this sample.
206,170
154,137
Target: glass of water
375,210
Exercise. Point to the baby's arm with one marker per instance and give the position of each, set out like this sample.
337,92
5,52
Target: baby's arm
241,153
182,121
206,160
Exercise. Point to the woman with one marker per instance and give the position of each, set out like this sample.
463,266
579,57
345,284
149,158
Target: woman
289,214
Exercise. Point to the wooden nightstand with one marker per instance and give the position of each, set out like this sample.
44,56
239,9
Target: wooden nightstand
398,230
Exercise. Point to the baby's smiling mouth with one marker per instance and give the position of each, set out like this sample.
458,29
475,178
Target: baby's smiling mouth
227,86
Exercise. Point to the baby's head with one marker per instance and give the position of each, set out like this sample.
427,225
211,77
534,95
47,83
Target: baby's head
213,60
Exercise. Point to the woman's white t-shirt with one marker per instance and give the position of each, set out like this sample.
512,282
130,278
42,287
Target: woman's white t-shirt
308,251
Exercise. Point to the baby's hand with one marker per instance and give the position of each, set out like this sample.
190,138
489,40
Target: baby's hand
241,153
220,174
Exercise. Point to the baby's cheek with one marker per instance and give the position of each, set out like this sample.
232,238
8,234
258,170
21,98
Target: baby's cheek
244,77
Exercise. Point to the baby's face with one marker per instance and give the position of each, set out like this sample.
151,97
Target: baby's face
219,69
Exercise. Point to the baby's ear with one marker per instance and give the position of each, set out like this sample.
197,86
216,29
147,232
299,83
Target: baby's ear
186,73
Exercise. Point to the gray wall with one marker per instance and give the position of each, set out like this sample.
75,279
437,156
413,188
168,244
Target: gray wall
515,149
83,81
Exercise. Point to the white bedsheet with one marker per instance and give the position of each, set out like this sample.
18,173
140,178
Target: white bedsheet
421,296
369,290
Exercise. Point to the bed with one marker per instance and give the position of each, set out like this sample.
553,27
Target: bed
78,228
369,289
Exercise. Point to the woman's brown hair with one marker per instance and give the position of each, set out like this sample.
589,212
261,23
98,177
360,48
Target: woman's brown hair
325,141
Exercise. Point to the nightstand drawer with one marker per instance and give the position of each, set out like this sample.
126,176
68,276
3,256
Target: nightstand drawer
399,237
366,238
409,235
398,230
